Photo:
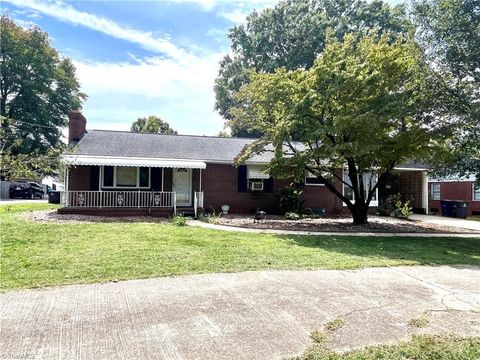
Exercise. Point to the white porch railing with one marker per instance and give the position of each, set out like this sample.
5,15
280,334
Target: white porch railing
197,201
120,199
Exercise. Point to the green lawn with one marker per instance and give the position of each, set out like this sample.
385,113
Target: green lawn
38,254
425,347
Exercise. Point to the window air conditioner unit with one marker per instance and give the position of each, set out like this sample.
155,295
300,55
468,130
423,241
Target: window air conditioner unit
256,185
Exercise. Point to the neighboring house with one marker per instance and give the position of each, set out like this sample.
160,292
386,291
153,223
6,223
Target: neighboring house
117,172
464,189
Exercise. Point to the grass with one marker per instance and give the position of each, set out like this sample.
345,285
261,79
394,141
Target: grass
421,347
46,254
420,322
334,325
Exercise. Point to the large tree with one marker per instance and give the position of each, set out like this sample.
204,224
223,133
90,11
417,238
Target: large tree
37,88
366,105
292,35
152,124
449,33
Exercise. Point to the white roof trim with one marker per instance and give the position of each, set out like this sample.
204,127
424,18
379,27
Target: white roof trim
130,161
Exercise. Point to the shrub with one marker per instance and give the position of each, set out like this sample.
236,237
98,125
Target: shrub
178,220
292,216
403,210
290,200
387,207
210,218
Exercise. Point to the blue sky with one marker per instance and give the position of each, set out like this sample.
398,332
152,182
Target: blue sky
140,58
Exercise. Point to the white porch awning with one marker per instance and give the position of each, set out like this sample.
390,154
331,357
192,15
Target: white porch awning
130,161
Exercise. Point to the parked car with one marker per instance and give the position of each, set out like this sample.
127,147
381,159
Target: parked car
26,189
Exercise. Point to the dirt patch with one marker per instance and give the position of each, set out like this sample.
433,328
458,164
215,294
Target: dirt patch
51,216
339,224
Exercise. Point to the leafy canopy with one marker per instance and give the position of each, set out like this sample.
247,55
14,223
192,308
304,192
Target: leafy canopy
292,35
364,104
152,124
37,87
449,33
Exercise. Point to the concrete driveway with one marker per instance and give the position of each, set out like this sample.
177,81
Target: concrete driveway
448,221
252,315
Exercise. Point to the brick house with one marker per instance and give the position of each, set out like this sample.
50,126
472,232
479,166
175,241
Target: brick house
464,189
120,173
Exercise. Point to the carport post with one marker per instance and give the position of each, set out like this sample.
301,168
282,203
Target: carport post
425,191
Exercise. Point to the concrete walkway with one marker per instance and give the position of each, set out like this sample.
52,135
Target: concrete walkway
199,223
252,315
23,201
447,221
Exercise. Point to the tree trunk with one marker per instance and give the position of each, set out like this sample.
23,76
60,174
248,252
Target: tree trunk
360,214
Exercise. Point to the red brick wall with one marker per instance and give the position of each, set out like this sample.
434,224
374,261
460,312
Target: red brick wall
410,186
220,185
76,125
454,190
321,197
79,178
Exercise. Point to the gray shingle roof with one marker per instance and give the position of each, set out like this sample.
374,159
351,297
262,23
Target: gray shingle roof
188,147
144,145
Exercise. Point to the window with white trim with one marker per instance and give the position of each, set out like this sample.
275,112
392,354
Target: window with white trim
475,192
435,191
369,181
126,177
312,180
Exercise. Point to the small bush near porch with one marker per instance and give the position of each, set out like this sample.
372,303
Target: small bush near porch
38,254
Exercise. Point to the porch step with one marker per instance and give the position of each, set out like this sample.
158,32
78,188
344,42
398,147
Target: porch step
186,211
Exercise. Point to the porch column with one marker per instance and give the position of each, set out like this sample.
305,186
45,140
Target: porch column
425,191
200,182
163,176
67,196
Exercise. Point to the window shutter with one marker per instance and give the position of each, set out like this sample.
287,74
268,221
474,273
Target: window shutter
268,185
94,177
242,178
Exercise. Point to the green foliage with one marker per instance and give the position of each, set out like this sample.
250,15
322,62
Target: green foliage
387,207
178,220
334,325
38,88
210,218
290,200
30,166
152,124
449,33
365,104
292,216
424,347
291,35
403,210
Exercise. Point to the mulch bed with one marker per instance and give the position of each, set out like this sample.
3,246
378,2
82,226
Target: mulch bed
51,216
339,224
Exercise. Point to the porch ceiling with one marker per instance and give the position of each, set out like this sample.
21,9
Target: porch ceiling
130,161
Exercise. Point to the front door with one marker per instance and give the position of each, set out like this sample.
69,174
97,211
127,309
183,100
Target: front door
182,185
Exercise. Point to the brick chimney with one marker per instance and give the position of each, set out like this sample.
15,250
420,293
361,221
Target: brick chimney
76,126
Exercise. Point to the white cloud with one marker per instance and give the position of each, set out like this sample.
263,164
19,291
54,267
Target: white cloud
66,13
180,92
236,16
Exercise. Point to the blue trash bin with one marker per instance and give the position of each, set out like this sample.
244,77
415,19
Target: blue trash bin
447,208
